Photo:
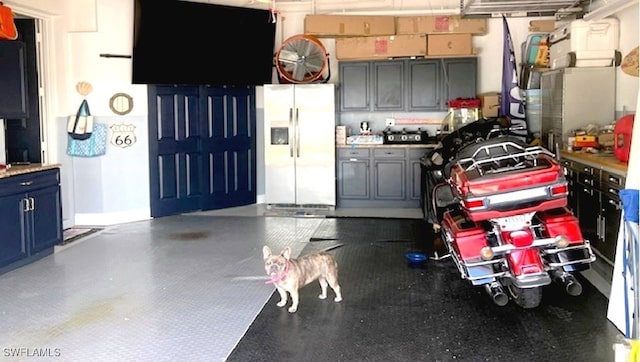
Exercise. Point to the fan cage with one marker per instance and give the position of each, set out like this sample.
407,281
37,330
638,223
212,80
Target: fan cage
302,59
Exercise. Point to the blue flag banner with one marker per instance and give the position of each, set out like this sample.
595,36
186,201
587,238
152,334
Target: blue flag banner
511,103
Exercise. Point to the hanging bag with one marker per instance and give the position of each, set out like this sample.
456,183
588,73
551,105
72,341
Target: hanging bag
8,29
80,126
94,146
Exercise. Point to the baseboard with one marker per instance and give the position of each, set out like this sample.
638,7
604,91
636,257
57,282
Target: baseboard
104,219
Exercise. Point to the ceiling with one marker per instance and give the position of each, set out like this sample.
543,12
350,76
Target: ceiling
519,7
561,9
467,8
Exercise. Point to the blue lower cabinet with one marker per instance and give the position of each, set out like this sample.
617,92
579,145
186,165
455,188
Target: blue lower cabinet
31,223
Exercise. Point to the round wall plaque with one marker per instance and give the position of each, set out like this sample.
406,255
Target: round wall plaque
121,103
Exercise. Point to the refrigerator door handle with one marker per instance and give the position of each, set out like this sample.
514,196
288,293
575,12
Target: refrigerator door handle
297,134
289,134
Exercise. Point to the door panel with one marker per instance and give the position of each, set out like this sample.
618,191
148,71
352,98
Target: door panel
388,78
229,147
175,157
279,141
460,78
315,156
202,148
424,85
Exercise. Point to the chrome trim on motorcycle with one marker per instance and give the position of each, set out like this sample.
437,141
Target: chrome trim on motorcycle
508,148
507,248
590,259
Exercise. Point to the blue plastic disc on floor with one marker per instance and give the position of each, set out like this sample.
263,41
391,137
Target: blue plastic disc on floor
415,257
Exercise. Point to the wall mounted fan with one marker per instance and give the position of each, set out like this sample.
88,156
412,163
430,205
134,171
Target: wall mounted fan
302,59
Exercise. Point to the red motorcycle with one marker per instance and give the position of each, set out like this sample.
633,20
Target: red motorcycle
500,206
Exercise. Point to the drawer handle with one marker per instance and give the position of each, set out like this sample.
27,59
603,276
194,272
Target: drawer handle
613,191
26,183
616,204
614,179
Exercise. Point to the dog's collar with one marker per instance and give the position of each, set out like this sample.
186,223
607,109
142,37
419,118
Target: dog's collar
278,277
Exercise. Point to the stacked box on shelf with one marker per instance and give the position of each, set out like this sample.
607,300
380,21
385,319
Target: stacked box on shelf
381,47
449,44
447,35
440,24
335,26
542,26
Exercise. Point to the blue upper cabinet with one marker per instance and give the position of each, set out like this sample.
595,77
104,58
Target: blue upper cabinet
355,92
424,85
13,81
459,78
388,86
413,85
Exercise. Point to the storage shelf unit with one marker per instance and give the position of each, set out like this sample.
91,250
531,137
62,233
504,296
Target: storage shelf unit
573,98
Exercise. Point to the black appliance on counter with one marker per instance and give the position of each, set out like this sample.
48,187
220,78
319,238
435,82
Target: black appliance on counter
405,136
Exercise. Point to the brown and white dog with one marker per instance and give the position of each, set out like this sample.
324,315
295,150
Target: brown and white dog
290,274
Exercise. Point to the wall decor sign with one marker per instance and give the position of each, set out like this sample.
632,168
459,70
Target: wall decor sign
121,103
122,135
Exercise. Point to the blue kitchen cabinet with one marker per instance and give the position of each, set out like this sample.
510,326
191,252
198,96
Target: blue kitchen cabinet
32,217
459,79
388,86
411,85
353,174
424,86
389,174
13,82
355,92
379,176
13,245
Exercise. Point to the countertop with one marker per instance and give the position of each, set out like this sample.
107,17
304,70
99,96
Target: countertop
22,169
603,161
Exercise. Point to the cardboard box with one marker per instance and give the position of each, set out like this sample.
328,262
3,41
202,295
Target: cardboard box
490,103
341,135
450,24
542,26
381,47
449,44
349,25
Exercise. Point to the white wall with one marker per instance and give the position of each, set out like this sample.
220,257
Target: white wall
76,32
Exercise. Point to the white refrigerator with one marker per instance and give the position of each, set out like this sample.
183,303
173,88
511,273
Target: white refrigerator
300,122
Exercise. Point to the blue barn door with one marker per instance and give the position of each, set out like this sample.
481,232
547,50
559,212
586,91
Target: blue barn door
175,160
229,146
201,148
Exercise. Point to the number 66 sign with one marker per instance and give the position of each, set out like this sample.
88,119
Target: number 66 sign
122,135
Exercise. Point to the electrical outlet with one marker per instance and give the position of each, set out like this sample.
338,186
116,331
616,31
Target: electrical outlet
391,122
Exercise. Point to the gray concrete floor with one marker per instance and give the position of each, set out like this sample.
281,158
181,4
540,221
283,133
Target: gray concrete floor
264,210
184,287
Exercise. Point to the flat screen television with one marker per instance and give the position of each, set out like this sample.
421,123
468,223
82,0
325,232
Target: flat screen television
182,42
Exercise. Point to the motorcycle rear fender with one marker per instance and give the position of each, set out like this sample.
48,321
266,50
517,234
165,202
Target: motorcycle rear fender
525,261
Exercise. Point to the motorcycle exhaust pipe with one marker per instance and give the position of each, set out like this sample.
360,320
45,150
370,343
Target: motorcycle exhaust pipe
571,285
497,294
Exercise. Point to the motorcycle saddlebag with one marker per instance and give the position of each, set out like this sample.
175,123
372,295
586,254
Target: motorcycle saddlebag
469,236
561,221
